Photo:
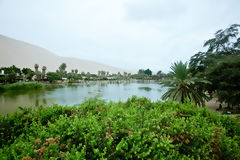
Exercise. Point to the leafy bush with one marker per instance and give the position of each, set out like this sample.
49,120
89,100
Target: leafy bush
53,76
135,129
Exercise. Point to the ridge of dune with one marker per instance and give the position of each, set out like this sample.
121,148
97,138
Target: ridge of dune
22,54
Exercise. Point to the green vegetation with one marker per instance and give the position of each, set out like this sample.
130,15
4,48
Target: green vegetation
216,72
145,88
28,73
2,88
53,76
136,129
181,85
12,74
147,72
227,82
220,65
62,70
23,86
147,75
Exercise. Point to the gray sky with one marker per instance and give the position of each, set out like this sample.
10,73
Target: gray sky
129,34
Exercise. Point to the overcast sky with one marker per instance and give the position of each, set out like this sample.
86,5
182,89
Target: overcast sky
128,34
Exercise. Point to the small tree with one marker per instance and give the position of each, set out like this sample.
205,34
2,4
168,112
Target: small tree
88,76
83,73
28,73
76,71
62,69
53,76
148,72
141,71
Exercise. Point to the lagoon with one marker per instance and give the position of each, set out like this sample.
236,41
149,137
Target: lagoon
77,93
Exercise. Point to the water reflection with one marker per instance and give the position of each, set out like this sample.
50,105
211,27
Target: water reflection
76,93
145,88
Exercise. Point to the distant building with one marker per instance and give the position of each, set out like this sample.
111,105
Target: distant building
2,73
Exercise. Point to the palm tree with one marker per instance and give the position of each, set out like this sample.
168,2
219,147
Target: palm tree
181,85
36,67
76,71
103,73
44,68
83,73
99,73
62,69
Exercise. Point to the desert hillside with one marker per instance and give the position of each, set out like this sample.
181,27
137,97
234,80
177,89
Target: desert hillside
21,54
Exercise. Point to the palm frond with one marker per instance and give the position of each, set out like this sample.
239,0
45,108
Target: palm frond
182,85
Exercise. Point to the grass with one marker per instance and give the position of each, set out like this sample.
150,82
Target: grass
22,86
1,88
135,129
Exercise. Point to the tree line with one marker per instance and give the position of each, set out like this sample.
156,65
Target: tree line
13,74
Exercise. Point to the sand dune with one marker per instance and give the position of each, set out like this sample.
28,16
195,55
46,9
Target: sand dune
21,54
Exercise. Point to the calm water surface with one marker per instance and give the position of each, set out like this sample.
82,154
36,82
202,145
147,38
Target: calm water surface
75,94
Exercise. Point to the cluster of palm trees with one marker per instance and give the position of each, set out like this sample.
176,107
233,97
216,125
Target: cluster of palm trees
38,73
74,71
103,73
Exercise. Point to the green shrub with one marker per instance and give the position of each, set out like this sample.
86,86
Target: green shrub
136,129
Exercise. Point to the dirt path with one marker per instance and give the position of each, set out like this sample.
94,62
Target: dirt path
213,105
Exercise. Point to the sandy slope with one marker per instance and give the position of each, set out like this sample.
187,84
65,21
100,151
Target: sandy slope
21,54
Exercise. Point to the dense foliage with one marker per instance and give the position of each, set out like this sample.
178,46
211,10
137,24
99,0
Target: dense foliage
220,65
148,75
225,75
147,72
181,85
28,73
12,74
136,129
53,76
